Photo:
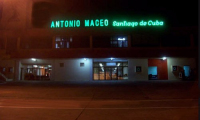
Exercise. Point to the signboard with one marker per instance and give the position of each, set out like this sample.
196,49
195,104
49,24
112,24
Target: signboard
105,23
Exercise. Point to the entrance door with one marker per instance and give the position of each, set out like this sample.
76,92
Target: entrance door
110,70
111,73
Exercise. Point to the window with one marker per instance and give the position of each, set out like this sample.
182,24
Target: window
108,41
72,42
62,42
119,41
145,40
36,72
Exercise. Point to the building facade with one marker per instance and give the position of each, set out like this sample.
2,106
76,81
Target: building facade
37,43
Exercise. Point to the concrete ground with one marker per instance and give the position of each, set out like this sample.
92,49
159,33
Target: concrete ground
101,100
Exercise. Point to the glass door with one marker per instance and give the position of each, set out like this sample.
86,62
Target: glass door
111,73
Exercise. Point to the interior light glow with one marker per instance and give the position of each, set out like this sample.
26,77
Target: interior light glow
121,39
118,64
35,66
164,58
85,59
33,59
100,64
111,58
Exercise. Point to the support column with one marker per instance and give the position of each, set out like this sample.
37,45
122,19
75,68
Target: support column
91,42
129,41
53,64
191,40
17,70
53,42
18,43
5,42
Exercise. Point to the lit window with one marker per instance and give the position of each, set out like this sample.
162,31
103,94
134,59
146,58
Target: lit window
63,42
119,41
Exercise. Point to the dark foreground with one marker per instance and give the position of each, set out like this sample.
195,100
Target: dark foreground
152,100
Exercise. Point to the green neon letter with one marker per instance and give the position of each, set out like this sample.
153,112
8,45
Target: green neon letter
96,22
149,22
52,24
61,23
161,23
106,22
114,23
71,23
66,23
87,23
78,23
101,22
92,23
57,24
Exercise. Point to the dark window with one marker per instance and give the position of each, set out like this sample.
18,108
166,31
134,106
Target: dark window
145,40
101,41
36,43
175,40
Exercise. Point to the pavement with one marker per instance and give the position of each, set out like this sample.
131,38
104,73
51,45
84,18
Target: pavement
102,100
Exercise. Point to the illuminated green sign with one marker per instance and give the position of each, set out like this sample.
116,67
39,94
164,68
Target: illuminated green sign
134,24
65,23
103,23
96,23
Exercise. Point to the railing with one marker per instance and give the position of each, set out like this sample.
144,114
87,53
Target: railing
3,76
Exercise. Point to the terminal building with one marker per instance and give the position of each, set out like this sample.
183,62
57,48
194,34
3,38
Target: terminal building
40,41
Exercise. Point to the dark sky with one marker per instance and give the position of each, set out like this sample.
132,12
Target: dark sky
175,13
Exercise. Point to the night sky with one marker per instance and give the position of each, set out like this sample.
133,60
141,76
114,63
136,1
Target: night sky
174,13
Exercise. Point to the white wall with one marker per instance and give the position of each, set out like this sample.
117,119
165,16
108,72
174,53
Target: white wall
133,75
72,71
179,62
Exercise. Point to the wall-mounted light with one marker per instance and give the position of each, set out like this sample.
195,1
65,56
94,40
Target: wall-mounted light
111,58
85,59
33,59
164,58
